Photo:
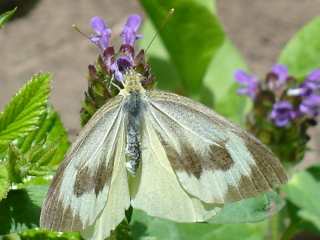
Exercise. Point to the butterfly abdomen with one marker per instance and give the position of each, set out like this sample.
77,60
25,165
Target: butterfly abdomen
133,152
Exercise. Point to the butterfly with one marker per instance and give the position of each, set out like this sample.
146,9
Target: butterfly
159,152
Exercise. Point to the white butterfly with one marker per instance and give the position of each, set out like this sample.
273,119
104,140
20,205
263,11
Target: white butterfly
159,152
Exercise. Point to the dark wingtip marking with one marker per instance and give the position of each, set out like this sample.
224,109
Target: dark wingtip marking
61,219
86,181
267,162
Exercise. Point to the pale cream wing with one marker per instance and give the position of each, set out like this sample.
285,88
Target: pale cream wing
118,197
156,189
214,160
80,188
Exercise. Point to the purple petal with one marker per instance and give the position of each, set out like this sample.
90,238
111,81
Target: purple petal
117,74
314,75
310,105
133,22
243,77
283,105
129,33
124,62
282,113
102,33
281,71
249,82
98,24
281,122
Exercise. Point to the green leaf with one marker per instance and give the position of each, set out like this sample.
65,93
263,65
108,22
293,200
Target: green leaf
162,68
50,135
250,210
37,155
301,54
303,191
39,234
24,111
4,17
18,212
4,181
220,81
189,49
146,227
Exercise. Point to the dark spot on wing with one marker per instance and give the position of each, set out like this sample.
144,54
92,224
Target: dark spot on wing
193,162
87,180
84,182
220,158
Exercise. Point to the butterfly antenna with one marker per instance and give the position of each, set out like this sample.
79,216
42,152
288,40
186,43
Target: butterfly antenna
164,23
77,29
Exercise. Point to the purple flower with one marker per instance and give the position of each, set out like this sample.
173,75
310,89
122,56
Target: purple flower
314,76
102,33
311,85
129,33
280,72
310,105
116,63
249,82
282,113
120,66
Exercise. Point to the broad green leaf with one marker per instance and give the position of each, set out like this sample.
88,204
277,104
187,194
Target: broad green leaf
162,68
146,227
24,111
303,191
301,54
220,81
4,17
20,216
18,212
250,210
190,50
4,181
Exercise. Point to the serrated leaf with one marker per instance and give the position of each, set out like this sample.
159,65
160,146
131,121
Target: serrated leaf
303,191
181,37
36,155
4,17
50,134
24,111
301,54
4,181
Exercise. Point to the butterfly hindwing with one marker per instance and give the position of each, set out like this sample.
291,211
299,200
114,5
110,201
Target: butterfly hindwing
157,190
79,190
214,160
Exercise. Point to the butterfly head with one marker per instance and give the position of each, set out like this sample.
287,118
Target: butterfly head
132,82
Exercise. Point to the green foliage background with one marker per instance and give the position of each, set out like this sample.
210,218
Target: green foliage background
193,57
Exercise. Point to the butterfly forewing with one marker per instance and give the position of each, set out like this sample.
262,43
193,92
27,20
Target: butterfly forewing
214,160
79,190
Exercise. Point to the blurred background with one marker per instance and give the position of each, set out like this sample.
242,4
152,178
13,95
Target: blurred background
41,39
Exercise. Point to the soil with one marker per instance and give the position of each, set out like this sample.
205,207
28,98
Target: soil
44,40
